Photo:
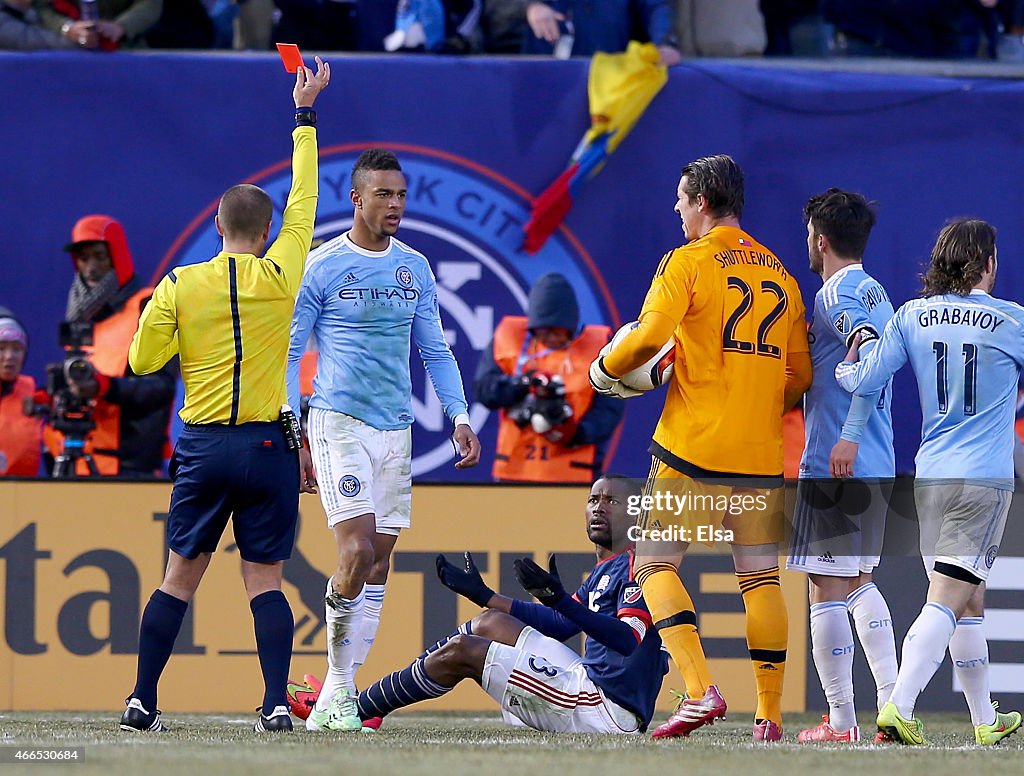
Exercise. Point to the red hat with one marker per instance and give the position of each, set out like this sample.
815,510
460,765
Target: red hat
99,228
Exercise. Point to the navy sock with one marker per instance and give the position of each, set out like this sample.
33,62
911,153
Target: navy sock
272,619
161,622
402,688
466,629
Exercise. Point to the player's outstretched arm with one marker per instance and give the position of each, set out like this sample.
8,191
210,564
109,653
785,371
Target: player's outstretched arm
546,587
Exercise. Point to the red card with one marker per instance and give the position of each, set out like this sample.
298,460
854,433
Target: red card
290,56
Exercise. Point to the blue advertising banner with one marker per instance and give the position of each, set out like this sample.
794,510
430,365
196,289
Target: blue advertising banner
154,139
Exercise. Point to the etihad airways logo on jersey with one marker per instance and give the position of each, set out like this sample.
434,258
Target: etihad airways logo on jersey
468,221
386,294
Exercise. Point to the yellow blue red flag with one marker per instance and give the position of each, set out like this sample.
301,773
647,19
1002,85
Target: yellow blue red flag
620,88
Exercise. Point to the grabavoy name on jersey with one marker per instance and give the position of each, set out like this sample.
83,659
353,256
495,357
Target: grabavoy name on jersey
732,256
960,316
392,295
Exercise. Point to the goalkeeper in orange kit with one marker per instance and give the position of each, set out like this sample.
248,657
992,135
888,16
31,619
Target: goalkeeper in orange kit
741,361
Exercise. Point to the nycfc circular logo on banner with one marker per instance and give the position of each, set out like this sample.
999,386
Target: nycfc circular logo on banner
468,221
349,485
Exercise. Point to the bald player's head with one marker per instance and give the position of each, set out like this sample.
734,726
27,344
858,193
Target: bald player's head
244,212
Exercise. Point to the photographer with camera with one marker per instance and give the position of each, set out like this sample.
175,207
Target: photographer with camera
131,413
21,436
554,428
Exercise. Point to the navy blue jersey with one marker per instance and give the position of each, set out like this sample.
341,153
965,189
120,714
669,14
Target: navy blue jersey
632,682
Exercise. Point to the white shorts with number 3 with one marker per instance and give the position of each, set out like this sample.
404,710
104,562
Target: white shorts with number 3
542,683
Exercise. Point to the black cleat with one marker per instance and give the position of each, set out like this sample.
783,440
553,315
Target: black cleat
138,720
279,721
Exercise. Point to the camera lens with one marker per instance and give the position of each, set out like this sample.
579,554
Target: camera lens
77,369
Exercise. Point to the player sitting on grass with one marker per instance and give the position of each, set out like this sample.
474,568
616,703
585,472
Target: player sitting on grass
514,651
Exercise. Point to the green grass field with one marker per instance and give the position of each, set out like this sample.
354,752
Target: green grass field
415,744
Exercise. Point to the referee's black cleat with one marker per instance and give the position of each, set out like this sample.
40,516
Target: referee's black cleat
138,720
279,721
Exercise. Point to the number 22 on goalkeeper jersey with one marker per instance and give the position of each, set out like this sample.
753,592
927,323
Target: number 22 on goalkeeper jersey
740,318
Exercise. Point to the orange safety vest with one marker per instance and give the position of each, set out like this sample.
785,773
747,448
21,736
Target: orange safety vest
112,338
522,455
20,436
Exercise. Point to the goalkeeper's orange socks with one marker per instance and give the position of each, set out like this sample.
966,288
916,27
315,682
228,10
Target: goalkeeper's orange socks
767,637
674,616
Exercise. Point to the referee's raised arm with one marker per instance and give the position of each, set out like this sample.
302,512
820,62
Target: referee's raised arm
228,320
292,244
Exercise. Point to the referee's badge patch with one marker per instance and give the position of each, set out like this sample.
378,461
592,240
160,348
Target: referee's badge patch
349,485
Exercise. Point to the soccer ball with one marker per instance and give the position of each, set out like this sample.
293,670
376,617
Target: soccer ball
656,371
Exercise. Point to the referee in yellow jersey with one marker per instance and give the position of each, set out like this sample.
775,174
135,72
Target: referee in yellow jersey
228,319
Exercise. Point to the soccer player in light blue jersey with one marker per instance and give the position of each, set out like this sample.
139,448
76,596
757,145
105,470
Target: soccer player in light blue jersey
835,542
966,349
364,296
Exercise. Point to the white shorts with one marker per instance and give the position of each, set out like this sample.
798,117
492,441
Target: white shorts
838,526
542,683
961,524
361,470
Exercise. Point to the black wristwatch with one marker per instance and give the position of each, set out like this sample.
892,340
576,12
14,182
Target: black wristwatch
305,117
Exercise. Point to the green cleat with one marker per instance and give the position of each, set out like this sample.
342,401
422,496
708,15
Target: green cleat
906,731
343,713
317,720
1005,724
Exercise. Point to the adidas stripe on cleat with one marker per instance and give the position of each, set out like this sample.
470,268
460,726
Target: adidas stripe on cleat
691,714
138,720
279,721
1005,725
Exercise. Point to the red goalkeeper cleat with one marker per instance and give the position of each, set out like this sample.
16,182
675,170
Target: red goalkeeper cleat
372,725
825,732
302,697
692,714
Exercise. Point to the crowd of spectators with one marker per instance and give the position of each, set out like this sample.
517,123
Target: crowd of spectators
944,29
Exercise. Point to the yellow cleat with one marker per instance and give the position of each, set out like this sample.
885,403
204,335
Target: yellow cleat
906,731
1005,724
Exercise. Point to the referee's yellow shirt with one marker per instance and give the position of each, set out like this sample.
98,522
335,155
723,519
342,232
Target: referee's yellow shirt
228,318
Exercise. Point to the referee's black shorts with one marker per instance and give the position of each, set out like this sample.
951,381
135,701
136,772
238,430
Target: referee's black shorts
245,472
